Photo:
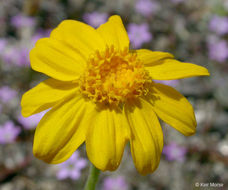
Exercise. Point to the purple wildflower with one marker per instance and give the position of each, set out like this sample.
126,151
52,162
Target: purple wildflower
146,7
7,94
3,44
174,152
9,55
95,19
218,50
8,132
172,83
17,56
115,183
72,167
23,57
20,21
32,121
139,34
219,25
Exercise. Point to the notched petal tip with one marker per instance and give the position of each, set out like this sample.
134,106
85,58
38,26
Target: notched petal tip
173,108
106,139
110,166
190,133
149,170
146,136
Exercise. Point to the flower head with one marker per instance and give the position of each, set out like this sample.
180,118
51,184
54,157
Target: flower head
146,7
115,183
218,50
103,94
72,167
139,34
3,43
20,21
219,24
95,19
7,94
8,132
16,55
174,152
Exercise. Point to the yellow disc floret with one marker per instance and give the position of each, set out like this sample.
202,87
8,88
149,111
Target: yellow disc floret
113,76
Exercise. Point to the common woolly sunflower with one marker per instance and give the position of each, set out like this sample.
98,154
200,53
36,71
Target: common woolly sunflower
101,93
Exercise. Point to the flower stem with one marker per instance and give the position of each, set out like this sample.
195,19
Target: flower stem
92,178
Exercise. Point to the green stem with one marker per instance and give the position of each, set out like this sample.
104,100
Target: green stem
92,179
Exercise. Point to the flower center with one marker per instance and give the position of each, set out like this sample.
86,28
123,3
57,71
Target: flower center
113,76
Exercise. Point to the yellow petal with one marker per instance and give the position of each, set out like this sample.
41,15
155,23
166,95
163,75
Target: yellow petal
114,33
62,130
106,139
150,58
146,136
45,95
173,108
170,69
81,37
56,60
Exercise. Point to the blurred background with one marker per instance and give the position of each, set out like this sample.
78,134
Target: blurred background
194,31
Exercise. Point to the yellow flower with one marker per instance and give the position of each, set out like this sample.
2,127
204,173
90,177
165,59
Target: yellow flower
103,94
